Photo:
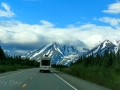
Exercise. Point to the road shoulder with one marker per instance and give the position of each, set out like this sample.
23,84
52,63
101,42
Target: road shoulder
79,83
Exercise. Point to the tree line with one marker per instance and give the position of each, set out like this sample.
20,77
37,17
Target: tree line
108,59
15,62
101,69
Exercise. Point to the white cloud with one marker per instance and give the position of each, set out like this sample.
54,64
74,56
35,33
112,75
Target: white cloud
46,23
111,21
7,12
5,6
37,34
113,8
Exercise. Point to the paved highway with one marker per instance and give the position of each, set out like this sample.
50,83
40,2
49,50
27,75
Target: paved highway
32,79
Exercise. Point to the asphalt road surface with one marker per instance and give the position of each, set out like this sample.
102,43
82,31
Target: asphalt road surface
32,79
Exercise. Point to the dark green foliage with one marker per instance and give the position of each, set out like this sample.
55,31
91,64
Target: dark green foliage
2,56
8,63
103,70
58,66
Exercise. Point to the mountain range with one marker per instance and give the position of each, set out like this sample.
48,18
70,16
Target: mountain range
100,48
60,54
65,55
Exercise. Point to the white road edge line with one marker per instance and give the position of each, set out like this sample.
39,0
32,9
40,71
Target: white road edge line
14,73
66,82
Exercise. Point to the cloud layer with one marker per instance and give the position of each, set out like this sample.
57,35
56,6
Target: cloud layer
22,37
34,36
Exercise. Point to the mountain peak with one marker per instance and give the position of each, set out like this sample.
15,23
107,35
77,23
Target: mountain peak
100,48
57,52
107,43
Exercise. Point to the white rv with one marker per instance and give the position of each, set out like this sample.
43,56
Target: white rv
45,63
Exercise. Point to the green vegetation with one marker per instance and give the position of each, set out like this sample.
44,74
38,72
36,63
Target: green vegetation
11,63
59,66
103,70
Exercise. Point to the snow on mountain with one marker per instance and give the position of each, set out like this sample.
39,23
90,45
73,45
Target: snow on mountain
43,49
105,45
68,59
60,54
65,55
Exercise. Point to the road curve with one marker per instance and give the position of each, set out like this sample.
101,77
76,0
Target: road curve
32,79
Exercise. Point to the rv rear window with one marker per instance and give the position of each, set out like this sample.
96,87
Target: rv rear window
46,62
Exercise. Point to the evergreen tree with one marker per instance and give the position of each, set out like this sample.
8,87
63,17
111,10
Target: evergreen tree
118,53
2,55
106,53
110,59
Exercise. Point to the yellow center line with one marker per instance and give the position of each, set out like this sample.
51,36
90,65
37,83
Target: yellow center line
24,85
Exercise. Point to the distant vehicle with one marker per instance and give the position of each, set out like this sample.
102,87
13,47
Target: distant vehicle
45,63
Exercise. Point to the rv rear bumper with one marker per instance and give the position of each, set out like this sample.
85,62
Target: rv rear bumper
45,68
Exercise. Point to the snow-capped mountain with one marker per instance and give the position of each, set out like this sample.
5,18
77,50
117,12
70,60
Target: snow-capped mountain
105,45
64,55
60,54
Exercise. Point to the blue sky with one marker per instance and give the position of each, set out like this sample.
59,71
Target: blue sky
29,24
59,12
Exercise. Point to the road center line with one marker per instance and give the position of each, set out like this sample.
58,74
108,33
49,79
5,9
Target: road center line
66,82
24,85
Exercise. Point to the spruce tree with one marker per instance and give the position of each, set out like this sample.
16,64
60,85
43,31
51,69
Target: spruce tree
2,55
110,59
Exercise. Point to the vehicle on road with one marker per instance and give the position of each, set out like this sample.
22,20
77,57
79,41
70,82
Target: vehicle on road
45,63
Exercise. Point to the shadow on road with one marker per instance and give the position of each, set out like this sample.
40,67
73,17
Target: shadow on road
52,72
